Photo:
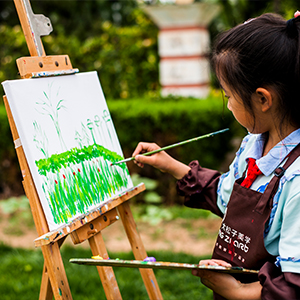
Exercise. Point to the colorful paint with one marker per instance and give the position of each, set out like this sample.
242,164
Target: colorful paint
141,264
69,141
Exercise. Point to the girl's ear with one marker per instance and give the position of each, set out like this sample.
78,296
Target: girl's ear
265,98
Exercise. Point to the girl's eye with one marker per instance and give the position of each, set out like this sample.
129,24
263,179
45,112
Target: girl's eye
226,96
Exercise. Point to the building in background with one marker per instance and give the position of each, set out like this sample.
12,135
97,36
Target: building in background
183,45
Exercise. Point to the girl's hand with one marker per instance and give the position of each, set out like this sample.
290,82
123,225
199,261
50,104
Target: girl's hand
160,160
214,262
225,284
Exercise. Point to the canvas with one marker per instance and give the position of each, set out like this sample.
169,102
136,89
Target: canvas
69,141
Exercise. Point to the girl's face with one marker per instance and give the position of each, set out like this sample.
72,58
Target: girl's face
263,116
236,106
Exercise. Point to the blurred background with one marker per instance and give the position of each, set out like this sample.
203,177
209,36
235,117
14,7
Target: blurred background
130,45
119,40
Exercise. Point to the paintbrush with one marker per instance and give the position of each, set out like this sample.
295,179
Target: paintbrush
172,146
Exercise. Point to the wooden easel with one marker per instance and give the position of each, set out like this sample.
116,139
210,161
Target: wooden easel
54,280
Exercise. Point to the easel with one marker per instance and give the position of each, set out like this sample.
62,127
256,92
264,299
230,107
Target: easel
54,280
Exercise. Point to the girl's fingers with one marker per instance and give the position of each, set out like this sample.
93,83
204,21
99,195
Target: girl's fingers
209,262
148,160
155,160
214,262
142,159
144,147
138,150
139,164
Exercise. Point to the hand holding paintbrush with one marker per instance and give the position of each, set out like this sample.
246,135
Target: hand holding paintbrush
152,154
160,160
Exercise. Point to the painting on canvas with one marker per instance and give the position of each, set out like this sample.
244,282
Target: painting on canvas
69,141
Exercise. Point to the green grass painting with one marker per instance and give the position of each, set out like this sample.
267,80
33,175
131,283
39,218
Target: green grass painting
79,179
69,141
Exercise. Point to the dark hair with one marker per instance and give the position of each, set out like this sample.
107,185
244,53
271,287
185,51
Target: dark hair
262,52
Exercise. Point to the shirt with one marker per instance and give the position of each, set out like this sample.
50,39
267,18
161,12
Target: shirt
282,233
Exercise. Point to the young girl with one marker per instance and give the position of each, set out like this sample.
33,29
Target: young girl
257,64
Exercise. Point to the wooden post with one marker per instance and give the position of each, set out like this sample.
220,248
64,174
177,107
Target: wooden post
106,274
51,253
56,271
138,250
32,40
46,292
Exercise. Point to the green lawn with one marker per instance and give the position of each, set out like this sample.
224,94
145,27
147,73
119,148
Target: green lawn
21,271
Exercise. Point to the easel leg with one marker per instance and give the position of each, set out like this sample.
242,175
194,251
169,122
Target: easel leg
138,250
106,274
56,272
46,290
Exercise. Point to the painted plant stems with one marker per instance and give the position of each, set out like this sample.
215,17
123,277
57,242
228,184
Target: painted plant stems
69,143
80,178
157,265
173,145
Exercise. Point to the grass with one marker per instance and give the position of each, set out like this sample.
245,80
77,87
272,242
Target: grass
20,217
141,212
21,271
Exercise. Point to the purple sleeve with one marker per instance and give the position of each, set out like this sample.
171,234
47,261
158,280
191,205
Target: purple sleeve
278,285
199,188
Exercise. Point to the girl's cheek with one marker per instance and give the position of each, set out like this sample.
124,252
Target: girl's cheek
229,105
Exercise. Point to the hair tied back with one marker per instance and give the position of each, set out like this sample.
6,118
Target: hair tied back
291,28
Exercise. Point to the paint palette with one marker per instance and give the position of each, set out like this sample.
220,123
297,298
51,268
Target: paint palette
157,265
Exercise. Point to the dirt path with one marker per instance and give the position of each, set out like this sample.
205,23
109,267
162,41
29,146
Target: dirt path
193,237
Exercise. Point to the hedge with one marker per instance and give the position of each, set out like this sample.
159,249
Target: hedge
167,121
164,121
126,58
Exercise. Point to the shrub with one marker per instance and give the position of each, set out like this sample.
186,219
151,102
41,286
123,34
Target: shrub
164,121
10,175
167,121
126,58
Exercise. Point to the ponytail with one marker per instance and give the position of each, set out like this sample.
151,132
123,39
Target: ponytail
263,52
293,32
291,28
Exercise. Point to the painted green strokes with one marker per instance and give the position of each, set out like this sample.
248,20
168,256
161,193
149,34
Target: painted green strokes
48,108
80,178
76,155
77,179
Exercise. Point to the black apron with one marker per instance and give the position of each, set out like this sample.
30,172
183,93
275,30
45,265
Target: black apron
241,236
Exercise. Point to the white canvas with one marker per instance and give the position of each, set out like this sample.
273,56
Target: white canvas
69,141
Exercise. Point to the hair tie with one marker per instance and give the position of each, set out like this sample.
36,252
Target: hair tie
297,14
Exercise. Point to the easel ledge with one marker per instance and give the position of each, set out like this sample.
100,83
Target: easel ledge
46,65
81,223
